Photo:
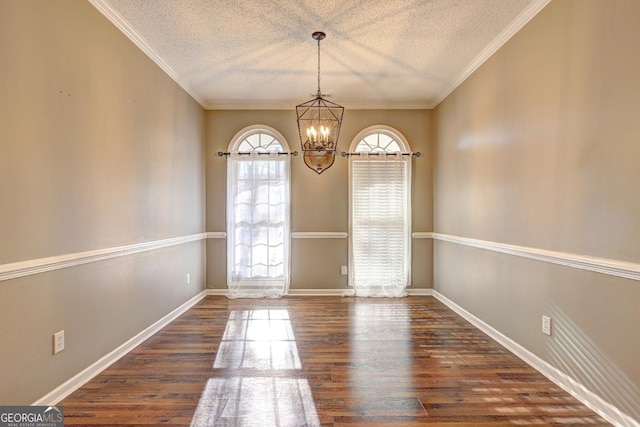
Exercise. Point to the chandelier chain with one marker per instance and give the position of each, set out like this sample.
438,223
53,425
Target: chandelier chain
319,93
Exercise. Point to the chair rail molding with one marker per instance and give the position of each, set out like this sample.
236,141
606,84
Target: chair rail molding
612,267
41,265
216,235
422,235
319,235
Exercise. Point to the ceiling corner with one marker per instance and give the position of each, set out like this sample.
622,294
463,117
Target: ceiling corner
120,23
516,25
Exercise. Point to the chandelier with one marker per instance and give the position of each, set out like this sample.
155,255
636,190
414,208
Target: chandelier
319,124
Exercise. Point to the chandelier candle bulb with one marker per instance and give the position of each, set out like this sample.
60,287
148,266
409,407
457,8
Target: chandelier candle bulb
324,134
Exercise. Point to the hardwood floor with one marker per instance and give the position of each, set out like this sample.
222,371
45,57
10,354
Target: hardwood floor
308,361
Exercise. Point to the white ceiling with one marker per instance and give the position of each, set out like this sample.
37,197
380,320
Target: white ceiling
259,54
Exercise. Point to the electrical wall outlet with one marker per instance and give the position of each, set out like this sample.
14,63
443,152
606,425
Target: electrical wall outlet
58,342
546,325
344,270
188,279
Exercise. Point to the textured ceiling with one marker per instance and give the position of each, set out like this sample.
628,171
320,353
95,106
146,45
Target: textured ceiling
377,54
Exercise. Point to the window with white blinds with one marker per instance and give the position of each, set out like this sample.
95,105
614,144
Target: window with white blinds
258,215
380,215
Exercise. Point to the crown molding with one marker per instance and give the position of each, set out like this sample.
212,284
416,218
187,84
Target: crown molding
516,25
522,19
249,105
290,105
116,19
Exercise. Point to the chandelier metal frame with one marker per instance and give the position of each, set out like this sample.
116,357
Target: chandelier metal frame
319,123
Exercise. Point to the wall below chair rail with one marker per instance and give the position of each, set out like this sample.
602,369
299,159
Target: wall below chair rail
99,305
512,293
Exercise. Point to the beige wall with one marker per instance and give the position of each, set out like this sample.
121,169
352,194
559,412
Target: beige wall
319,202
540,148
99,148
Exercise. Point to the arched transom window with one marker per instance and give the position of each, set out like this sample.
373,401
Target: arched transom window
380,213
380,140
258,140
258,213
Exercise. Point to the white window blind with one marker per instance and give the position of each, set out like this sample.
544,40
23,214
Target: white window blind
380,213
258,234
380,224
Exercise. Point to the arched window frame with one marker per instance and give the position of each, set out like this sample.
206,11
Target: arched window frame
258,212
392,133
237,143
370,263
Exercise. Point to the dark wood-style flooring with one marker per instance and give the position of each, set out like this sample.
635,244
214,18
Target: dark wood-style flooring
331,361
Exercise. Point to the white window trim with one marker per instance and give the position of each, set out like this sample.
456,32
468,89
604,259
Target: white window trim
380,129
237,139
405,147
245,132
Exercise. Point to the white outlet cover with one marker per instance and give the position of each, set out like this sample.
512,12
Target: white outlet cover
546,325
58,342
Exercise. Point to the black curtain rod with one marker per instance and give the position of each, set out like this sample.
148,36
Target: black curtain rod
295,153
260,153
416,154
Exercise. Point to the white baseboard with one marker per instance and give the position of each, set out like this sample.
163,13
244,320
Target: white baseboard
422,292
568,384
315,292
323,292
215,292
78,380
